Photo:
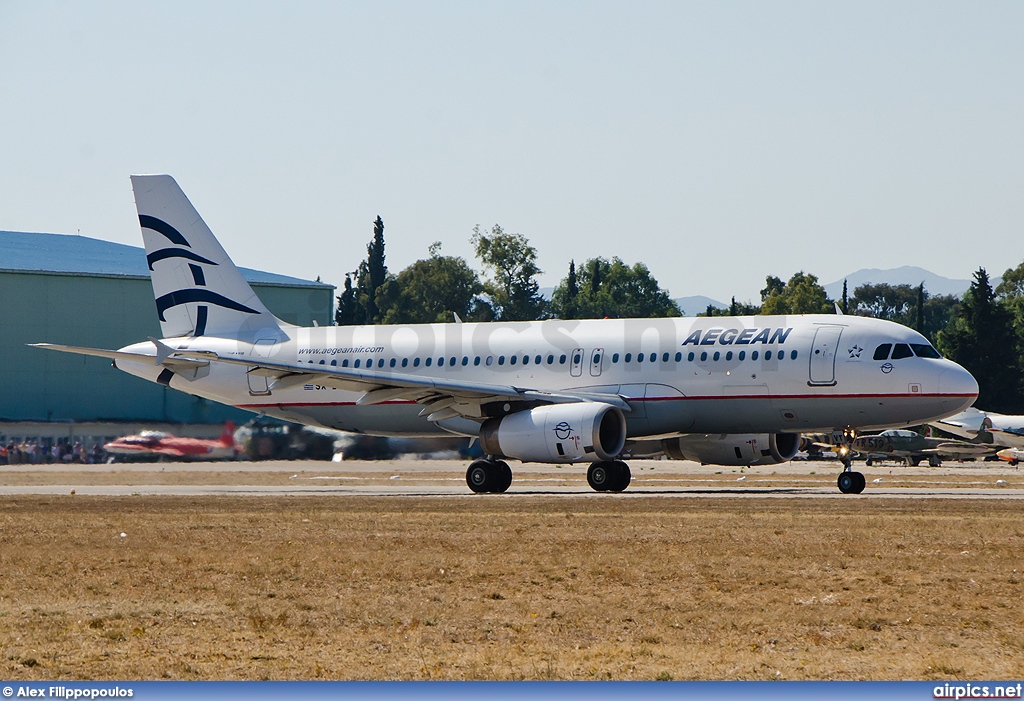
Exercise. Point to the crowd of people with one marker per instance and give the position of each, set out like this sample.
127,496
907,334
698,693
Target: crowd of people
62,451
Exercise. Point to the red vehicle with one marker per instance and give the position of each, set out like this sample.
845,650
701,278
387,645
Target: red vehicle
157,444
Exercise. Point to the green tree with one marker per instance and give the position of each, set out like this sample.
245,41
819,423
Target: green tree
1011,292
735,309
801,295
349,313
513,289
981,337
358,304
883,301
432,290
620,292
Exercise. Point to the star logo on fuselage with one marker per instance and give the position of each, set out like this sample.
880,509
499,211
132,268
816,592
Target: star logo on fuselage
855,351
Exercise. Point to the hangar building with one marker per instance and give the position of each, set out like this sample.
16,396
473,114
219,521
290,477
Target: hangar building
80,291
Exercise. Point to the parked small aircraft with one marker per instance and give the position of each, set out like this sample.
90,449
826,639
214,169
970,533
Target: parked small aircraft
912,448
157,444
987,426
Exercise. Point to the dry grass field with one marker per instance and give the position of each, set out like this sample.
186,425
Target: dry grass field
513,587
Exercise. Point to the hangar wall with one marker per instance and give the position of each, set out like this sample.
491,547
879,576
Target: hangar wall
107,311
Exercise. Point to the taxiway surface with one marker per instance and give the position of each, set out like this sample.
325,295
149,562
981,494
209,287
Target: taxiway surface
445,478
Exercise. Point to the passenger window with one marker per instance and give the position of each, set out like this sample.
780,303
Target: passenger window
743,355
429,361
490,359
716,356
357,362
334,362
792,355
501,360
689,356
728,355
615,357
882,352
440,362
901,351
513,359
393,362
679,356
476,360
753,356
597,359
526,360
576,359
629,356
654,356
664,357
767,355
538,360
465,360
639,357
344,363
416,362
561,359
703,356
923,350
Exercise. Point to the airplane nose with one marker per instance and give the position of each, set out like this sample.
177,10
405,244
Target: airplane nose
959,388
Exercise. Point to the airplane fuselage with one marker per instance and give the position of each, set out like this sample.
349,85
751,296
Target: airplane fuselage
682,375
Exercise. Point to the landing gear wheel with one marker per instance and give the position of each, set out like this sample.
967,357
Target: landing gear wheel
503,477
601,476
934,461
478,476
622,476
868,461
485,476
851,482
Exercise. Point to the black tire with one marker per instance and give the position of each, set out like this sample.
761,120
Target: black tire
860,482
622,476
868,461
847,482
503,478
479,476
914,462
601,476
934,461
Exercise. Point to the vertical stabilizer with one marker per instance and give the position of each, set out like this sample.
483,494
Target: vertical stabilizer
199,291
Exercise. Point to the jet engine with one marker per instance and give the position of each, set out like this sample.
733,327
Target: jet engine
733,448
557,433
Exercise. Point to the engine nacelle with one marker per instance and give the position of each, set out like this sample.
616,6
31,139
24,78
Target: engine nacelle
733,448
557,433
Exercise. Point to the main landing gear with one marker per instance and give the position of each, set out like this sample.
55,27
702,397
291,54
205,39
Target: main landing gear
609,476
493,476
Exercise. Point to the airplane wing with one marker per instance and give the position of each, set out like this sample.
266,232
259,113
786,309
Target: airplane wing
442,398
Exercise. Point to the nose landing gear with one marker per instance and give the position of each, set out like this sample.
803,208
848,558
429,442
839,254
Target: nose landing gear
850,482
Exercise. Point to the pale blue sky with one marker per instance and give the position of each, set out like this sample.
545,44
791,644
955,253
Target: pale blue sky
717,142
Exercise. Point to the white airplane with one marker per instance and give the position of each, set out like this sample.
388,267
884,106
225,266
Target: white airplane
550,391
998,429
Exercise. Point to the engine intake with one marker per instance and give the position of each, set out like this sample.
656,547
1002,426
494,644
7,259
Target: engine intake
557,433
733,449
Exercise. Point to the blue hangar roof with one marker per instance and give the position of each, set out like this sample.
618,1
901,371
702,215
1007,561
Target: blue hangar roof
64,253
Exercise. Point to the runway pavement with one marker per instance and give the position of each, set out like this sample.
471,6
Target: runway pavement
446,478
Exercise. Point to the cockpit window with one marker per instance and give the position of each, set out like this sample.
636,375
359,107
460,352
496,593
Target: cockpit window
923,350
902,350
882,352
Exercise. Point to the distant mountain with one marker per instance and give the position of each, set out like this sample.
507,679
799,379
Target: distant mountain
698,304
906,275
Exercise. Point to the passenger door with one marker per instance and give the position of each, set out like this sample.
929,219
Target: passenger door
823,355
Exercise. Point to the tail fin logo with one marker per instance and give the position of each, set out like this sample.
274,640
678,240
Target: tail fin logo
179,297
